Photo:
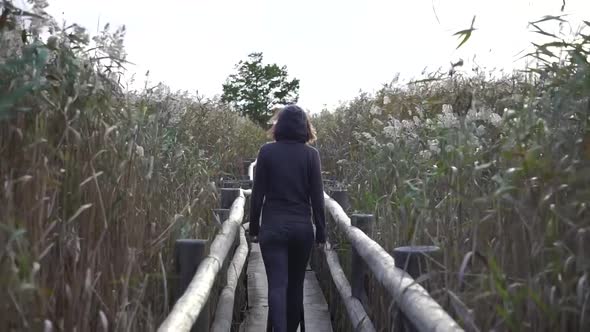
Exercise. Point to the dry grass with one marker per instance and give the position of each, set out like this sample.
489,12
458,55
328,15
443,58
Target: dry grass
504,192
98,181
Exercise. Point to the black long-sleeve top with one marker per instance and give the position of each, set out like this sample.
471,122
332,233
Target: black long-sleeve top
288,180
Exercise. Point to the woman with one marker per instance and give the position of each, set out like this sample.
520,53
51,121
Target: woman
288,182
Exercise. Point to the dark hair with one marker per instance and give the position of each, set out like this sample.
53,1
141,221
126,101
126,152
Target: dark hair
292,123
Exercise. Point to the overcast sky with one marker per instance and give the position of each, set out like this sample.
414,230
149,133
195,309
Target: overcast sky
335,47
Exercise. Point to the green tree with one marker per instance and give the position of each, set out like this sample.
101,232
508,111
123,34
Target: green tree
256,88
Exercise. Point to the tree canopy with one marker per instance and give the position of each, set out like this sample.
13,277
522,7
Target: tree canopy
255,88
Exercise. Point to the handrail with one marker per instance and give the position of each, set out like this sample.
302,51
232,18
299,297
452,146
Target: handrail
191,303
414,301
251,170
356,312
225,305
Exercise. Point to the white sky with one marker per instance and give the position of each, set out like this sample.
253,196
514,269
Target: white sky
335,47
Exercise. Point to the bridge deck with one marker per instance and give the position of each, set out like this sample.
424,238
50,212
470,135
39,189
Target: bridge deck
317,314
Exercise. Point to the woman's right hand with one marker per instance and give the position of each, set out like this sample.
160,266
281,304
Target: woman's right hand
254,238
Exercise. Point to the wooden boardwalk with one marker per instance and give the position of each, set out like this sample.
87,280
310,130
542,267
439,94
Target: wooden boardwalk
317,314
415,302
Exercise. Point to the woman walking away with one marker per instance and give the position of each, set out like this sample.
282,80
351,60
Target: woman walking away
288,182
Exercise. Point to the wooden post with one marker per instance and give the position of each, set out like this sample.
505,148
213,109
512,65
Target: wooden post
188,255
246,184
230,184
235,184
415,261
358,267
228,195
341,197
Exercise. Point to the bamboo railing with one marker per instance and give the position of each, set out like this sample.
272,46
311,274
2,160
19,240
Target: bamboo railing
225,305
417,306
356,312
189,306
414,301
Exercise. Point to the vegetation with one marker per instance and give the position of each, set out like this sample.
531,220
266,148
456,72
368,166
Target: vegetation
98,180
495,171
256,89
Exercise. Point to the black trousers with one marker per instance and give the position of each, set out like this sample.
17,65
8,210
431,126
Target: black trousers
285,248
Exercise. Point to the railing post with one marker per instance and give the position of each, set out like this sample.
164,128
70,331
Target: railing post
188,255
230,184
235,184
359,270
247,184
341,197
415,261
228,196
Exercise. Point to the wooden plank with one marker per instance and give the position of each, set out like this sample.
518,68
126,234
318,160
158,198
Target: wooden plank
316,311
315,307
257,293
